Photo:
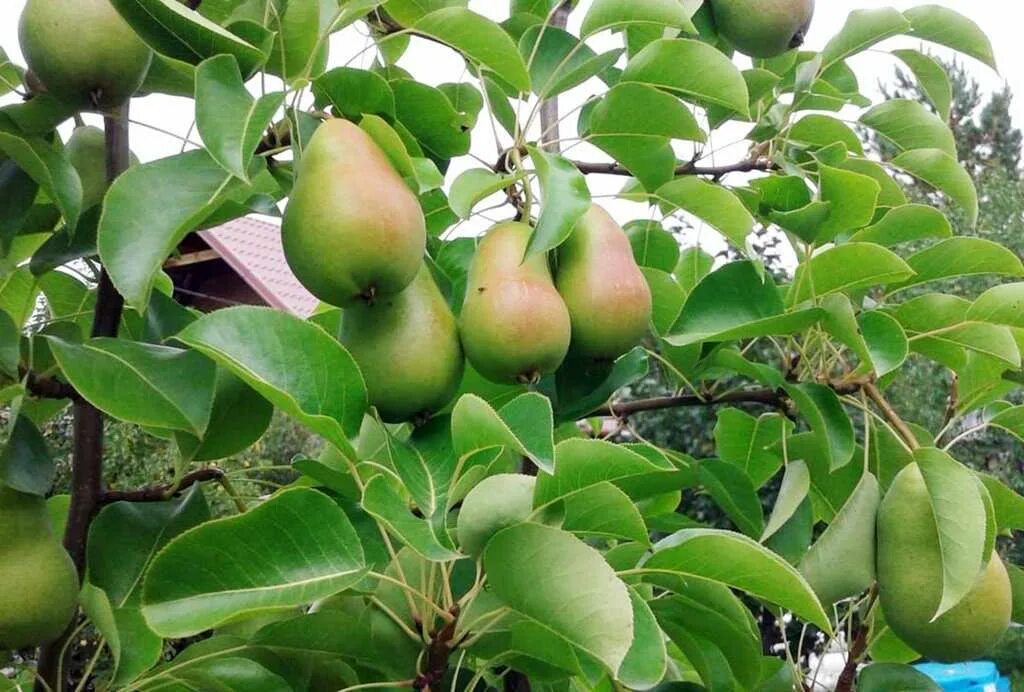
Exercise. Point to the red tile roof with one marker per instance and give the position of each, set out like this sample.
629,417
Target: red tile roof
252,247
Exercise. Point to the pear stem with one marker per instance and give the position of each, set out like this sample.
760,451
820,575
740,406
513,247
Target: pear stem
87,456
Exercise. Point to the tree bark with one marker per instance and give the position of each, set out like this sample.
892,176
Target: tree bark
87,434
549,108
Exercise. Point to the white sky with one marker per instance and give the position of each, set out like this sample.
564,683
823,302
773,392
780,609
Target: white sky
1000,19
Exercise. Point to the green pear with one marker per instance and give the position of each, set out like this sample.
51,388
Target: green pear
763,28
608,298
39,591
86,149
83,51
352,231
515,326
910,580
407,347
495,503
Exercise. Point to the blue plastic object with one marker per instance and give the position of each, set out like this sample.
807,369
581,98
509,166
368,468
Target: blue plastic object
973,676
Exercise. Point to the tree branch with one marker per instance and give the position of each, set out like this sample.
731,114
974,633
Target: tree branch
160,493
766,397
87,455
891,415
48,387
689,168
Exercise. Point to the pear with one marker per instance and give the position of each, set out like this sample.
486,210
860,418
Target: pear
39,590
495,503
608,298
87,151
910,580
352,231
515,327
763,28
407,347
83,52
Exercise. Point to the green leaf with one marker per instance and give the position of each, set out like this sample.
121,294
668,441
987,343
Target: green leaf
906,224
736,302
597,383
847,267
302,542
938,327
886,677
408,12
297,48
712,203
295,365
805,222
177,32
796,483
733,491
960,256
146,384
354,92
582,463
592,610
693,69
941,171
565,198
523,426
26,463
750,442
653,246
635,123
230,121
647,659
824,412
51,171
147,212
694,264
731,559
604,511
238,418
909,125
931,78
479,39
1011,420
1007,504
712,627
123,539
473,186
384,503
821,131
1000,305
863,29
18,291
608,14
852,198
949,28
666,297
431,118
561,61
960,522
885,340
841,563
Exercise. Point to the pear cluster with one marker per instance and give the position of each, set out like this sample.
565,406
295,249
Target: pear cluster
83,52
40,584
355,236
910,580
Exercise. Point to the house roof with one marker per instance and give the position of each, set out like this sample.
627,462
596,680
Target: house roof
251,246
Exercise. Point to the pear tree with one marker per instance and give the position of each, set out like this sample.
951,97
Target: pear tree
482,514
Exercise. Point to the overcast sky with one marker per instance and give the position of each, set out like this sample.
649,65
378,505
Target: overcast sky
1000,19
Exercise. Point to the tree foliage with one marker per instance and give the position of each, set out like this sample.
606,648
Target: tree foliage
620,557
